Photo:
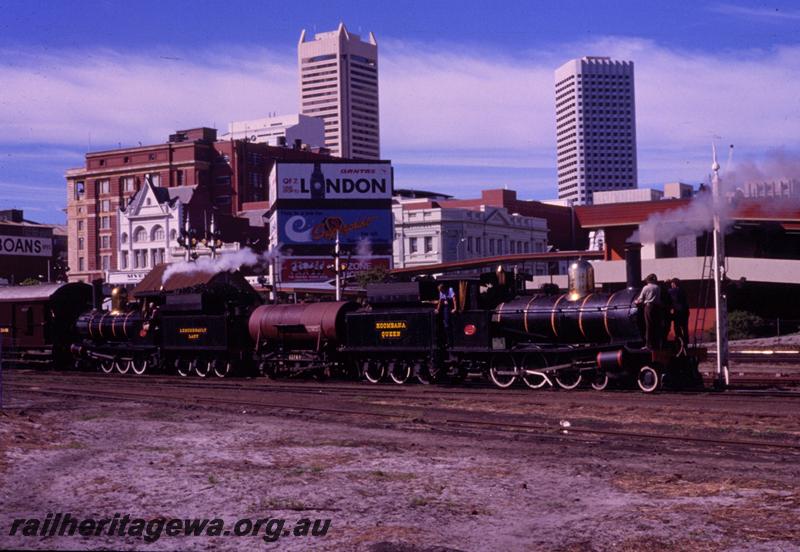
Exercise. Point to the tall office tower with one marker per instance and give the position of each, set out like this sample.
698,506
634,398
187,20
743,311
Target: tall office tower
339,84
595,127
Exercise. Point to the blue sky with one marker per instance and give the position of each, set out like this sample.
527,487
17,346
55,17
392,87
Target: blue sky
466,87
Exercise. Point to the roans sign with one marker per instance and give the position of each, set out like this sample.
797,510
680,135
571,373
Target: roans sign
26,246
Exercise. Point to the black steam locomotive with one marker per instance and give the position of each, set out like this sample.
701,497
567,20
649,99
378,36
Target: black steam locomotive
186,324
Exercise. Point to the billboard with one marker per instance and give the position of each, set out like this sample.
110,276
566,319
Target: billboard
319,226
26,246
320,269
319,181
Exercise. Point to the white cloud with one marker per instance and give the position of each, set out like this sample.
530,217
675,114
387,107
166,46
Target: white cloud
440,105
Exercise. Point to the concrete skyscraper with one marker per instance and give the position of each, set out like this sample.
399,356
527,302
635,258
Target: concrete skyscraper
595,127
339,84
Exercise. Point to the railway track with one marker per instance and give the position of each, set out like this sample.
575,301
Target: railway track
475,389
345,407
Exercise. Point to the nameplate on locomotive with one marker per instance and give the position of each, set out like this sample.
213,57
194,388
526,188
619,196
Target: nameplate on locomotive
192,333
390,329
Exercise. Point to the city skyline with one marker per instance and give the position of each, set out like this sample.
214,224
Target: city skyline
464,106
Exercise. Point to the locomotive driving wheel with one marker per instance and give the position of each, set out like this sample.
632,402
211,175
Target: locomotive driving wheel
533,378
373,370
222,367
183,367
138,365
400,371
424,372
202,368
503,370
648,379
107,366
600,381
569,379
121,365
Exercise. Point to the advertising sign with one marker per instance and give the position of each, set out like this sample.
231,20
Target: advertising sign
26,246
319,226
332,181
320,269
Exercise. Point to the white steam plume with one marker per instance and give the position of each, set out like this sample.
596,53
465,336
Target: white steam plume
364,247
697,217
692,220
226,262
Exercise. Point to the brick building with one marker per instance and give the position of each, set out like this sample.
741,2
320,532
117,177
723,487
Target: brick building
232,174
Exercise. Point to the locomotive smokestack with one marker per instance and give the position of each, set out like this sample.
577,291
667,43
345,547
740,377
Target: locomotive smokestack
633,265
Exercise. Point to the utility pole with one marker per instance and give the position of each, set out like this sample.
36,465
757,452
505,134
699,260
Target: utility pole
337,268
721,306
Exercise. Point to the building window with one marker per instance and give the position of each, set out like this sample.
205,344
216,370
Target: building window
124,260
104,242
105,223
158,234
80,225
478,245
135,259
139,235
123,238
428,244
105,261
412,245
179,178
151,156
105,206
126,159
173,234
469,244
80,264
128,184
80,244
491,246
105,186
153,178
80,189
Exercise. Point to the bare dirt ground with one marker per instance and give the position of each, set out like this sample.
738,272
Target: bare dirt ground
405,485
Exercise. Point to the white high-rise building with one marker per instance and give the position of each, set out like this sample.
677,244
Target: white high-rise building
279,130
339,84
595,127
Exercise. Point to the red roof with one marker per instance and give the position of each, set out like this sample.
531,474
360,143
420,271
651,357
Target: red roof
634,213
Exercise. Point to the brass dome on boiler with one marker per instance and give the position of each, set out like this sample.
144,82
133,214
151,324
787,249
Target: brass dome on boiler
580,276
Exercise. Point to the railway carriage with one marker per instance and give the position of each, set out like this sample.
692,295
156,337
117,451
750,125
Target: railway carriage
37,323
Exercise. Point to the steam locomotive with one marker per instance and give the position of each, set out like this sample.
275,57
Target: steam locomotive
216,324
565,340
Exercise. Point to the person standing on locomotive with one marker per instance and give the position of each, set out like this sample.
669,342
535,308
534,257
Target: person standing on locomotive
650,297
445,306
680,310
